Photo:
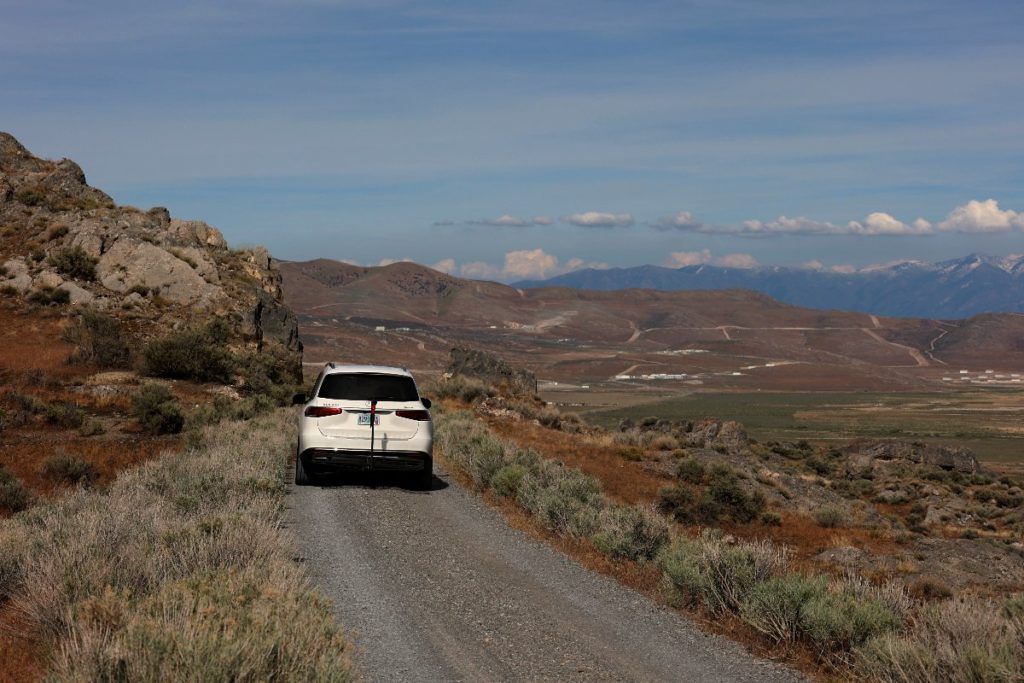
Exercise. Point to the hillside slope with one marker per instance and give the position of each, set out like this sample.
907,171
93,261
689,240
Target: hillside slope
731,337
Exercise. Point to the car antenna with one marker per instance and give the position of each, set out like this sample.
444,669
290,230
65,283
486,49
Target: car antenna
373,420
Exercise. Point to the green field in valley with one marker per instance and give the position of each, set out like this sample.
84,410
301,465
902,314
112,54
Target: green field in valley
988,422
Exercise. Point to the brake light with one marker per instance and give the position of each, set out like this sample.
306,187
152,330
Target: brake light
419,415
322,411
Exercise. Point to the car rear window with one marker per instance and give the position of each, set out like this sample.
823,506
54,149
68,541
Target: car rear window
366,387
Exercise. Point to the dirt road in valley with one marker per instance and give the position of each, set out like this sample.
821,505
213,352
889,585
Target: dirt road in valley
437,587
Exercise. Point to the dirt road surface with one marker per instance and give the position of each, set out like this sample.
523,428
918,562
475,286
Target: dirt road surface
437,587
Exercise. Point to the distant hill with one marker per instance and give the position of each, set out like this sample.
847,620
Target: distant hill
959,288
409,314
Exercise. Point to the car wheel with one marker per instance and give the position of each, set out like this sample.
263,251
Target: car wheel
302,477
425,478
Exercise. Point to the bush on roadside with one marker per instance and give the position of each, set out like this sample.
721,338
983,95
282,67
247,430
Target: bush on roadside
507,480
69,469
99,339
181,570
776,607
633,533
157,410
74,262
717,574
200,355
960,640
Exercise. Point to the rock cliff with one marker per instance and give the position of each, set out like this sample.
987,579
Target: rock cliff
63,242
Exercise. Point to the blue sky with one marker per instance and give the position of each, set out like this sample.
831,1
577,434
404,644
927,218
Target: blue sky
513,139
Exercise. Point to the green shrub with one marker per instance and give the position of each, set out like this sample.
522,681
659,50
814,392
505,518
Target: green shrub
64,414
201,355
690,470
633,533
565,501
725,497
69,469
771,519
829,517
776,607
841,619
157,411
99,339
74,263
676,501
818,466
507,480
13,495
718,574
46,296
961,641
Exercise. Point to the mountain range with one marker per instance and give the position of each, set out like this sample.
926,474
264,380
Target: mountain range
957,288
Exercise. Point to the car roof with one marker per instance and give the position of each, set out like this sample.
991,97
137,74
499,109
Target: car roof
337,368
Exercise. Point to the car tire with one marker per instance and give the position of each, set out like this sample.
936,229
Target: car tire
425,477
302,477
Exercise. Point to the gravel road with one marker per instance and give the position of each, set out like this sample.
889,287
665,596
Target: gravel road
437,587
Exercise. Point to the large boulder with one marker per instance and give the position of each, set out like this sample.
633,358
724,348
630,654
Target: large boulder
197,232
130,262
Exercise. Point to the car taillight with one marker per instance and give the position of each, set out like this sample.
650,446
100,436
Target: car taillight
322,411
420,415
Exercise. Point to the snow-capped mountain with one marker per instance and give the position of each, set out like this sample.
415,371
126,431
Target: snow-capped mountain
956,288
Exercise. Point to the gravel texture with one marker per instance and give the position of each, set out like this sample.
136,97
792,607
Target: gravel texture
437,587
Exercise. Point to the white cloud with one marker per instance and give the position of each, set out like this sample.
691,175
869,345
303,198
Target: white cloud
880,223
681,259
445,265
813,264
683,221
391,261
737,261
877,223
986,216
844,269
599,219
529,263
542,220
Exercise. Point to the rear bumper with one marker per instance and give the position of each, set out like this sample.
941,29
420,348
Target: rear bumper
333,460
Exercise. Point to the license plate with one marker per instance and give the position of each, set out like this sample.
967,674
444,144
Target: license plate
364,419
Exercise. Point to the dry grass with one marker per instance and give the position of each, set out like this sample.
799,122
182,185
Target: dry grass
179,570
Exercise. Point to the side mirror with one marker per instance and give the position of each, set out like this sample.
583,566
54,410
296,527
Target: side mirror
426,403
298,399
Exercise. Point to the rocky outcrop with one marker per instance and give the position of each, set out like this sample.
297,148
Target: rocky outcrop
869,454
148,265
491,369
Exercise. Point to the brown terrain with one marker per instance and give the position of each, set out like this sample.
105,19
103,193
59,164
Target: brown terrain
719,339
69,254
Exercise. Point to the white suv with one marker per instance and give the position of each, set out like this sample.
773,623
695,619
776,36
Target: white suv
364,418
